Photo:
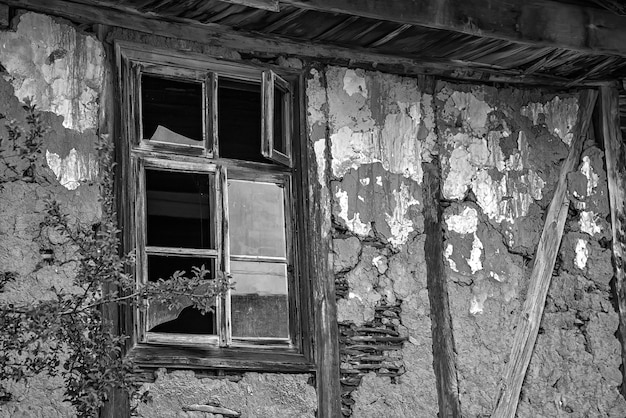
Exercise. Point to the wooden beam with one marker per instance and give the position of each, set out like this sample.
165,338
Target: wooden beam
536,22
545,257
96,12
615,155
271,5
444,358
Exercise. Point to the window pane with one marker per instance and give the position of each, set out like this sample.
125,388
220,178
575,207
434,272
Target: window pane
256,218
184,318
239,119
178,211
259,302
172,110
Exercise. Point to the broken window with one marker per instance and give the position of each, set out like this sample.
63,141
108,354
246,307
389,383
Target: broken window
210,149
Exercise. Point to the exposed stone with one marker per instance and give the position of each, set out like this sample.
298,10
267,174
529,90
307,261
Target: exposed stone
346,253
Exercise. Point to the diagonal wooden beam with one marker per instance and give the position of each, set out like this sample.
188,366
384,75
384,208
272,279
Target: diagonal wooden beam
615,155
545,257
537,22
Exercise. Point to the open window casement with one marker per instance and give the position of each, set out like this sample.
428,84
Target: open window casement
277,119
178,214
173,106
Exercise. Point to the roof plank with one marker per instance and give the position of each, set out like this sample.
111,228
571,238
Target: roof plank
536,22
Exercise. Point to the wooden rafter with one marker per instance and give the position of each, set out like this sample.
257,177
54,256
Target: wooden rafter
537,22
545,258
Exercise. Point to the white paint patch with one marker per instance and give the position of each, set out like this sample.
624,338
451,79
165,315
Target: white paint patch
474,260
588,223
447,254
476,306
399,224
474,111
558,115
72,170
464,223
495,275
365,181
354,84
320,157
353,295
379,181
582,253
69,84
381,264
592,178
354,224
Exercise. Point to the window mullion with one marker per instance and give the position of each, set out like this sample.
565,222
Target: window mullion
223,302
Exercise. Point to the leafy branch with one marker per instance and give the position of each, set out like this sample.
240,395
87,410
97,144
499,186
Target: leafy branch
66,333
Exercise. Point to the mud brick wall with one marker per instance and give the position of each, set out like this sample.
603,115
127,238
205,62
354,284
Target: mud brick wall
500,151
501,154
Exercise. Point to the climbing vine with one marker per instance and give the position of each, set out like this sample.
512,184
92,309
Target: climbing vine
65,333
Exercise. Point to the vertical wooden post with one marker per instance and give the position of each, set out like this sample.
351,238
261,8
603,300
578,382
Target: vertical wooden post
444,359
117,405
545,257
316,229
615,155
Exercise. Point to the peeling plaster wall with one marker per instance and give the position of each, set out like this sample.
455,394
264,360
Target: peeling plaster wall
372,132
501,155
61,70
40,257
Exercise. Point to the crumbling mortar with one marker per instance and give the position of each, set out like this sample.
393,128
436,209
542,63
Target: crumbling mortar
375,346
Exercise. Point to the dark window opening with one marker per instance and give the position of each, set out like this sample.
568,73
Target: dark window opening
190,321
239,119
172,110
178,210
182,318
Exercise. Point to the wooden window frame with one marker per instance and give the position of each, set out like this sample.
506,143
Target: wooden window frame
230,353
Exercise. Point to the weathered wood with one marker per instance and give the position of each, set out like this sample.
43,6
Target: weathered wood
444,358
268,44
545,258
117,404
316,227
615,155
271,5
536,22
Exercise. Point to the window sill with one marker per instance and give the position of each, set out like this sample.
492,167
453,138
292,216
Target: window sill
195,357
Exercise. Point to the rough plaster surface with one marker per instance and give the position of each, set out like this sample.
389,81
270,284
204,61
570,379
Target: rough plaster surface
23,244
377,130
61,70
502,149
575,365
381,128
255,395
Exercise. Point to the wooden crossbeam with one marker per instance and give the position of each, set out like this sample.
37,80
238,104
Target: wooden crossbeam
545,257
99,12
537,22
615,155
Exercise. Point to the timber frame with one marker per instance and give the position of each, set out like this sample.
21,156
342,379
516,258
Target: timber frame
520,28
